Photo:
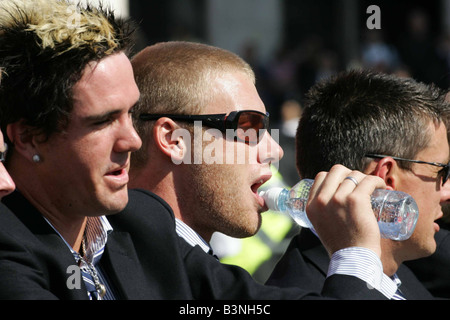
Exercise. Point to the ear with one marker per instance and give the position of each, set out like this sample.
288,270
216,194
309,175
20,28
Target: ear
170,139
25,143
387,169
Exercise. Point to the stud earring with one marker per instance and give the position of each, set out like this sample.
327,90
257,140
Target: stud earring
36,158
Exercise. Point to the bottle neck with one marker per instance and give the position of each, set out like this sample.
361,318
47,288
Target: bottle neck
283,198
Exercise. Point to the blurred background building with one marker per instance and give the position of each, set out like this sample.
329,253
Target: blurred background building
292,44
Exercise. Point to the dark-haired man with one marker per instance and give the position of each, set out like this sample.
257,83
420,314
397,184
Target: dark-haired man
385,126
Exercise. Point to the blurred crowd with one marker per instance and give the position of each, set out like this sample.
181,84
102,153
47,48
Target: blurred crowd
419,54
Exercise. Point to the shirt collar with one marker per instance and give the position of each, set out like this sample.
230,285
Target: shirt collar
191,237
396,280
97,231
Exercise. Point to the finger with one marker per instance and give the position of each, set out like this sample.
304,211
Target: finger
352,179
369,183
350,182
328,182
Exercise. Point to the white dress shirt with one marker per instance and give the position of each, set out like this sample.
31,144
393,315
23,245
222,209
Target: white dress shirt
355,261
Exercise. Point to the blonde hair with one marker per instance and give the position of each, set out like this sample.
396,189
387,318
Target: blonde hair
45,46
56,22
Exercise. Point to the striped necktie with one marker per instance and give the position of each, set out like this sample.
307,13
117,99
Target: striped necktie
89,282
398,295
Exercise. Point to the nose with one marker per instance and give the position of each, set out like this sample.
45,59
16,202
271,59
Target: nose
269,151
6,183
445,192
128,140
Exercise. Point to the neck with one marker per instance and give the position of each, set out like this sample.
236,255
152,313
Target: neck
166,185
70,226
390,258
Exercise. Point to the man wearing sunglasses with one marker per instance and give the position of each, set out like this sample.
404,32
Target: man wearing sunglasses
200,102
381,125
244,125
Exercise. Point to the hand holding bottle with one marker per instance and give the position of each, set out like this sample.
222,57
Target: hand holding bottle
396,211
341,211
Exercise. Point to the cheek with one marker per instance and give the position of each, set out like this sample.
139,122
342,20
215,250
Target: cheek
428,203
240,153
216,149
81,163
93,150
429,211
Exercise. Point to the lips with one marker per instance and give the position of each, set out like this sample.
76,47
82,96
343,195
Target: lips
116,173
435,223
436,227
118,177
256,185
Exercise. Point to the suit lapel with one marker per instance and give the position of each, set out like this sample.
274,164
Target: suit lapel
62,259
122,265
311,247
319,257
53,251
411,287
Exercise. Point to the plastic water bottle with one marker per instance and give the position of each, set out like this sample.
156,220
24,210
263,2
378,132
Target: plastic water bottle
395,211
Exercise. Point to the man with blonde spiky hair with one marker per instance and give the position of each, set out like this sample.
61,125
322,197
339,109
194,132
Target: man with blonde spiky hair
66,97
45,47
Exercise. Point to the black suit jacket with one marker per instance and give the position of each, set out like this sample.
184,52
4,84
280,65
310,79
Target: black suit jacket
144,258
34,260
306,261
209,279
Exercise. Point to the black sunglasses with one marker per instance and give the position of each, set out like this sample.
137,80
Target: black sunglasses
248,125
3,154
444,171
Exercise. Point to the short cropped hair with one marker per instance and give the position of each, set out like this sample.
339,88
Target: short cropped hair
44,47
175,77
359,112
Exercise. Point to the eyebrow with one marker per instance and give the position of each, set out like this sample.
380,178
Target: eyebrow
102,116
107,114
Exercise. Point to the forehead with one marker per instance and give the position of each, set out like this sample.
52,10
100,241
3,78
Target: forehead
106,85
234,91
438,147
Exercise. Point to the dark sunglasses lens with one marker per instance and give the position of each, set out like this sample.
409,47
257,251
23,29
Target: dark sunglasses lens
249,125
446,173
